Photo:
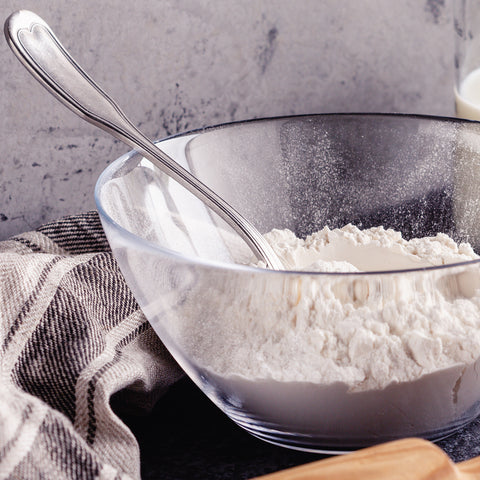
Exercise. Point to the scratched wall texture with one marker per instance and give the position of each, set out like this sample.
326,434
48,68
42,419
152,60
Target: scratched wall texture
175,65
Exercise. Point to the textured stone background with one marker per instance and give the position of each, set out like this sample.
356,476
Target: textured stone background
175,65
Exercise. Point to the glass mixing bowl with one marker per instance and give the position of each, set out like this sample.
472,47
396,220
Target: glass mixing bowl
240,332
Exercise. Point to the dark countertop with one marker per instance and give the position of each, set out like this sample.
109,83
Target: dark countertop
187,437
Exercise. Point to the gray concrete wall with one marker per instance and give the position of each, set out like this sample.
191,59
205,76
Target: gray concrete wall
175,65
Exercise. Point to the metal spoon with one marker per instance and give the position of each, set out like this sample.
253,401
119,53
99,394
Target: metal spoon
36,46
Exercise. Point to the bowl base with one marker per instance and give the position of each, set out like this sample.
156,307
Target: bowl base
330,446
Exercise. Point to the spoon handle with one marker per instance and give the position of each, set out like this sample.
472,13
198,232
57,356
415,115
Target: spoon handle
37,47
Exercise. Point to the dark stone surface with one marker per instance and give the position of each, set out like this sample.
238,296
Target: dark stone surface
464,444
187,437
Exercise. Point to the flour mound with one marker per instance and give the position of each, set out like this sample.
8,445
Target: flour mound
365,331
304,350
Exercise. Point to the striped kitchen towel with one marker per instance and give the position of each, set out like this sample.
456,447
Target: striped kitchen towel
71,336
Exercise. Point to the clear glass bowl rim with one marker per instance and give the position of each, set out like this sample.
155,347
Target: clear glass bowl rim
155,248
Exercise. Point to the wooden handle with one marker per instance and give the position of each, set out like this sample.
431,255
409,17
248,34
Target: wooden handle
410,458
470,469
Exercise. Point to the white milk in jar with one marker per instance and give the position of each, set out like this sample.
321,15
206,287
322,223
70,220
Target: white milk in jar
467,97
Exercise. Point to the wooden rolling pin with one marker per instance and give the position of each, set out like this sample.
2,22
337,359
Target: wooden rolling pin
410,458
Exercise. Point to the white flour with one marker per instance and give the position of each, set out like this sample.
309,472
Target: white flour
365,332
350,249
367,343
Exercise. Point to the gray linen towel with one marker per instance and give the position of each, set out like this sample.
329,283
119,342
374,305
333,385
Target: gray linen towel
71,336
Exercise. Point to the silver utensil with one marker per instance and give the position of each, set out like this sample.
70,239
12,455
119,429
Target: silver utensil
37,47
